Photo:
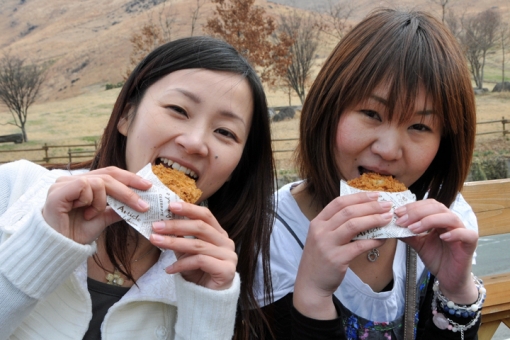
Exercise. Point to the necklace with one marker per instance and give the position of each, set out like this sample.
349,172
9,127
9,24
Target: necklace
373,255
115,278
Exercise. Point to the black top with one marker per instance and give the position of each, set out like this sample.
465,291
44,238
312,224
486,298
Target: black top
103,297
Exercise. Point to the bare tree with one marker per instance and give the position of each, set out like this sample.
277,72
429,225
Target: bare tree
195,14
152,34
454,23
19,88
504,37
479,34
443,4
335,17
304,31
166,19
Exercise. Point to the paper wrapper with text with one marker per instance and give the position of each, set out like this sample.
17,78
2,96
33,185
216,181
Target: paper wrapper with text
158,197
391,230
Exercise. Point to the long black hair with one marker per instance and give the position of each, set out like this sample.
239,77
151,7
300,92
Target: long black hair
243,206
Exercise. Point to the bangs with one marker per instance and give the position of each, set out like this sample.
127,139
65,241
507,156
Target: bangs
405,65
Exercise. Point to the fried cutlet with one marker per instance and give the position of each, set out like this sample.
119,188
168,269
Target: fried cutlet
375,182
177,181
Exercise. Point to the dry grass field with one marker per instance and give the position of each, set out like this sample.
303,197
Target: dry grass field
87,44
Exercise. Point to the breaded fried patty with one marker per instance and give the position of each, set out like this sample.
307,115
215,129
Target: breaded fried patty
375,182
184,186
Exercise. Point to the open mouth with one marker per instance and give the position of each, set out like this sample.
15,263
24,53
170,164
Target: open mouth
176,166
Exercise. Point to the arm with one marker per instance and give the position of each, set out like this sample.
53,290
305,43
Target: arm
204,313
205,272
288,323
447,250
329,243
34,261
35,258
426,328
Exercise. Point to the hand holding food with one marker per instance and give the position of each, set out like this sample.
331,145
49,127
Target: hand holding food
390,190
76,205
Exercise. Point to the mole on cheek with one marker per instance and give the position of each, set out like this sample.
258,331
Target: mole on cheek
216,157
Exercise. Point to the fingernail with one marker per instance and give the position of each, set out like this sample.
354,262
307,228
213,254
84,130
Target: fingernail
373,195
157,238
146,182
158,226
400,210
385,204
142,204
445,236
175,206
414,226
387,216
402,220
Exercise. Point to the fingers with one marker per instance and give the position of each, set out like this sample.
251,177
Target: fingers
426,215
221,272
90,189
342,202
352,220
195,212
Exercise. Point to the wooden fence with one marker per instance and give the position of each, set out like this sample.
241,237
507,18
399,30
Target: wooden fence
51,153
503,122
490,201
76,152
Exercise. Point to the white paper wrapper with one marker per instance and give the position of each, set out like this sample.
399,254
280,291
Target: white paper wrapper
158,197
390,230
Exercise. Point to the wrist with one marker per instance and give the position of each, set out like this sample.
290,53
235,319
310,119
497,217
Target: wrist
314,305
446,311
467,294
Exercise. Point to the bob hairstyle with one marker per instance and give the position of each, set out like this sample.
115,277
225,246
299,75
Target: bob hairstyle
243,206
406,51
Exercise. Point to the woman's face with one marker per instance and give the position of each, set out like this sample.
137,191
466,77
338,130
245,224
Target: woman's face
194,120
366,141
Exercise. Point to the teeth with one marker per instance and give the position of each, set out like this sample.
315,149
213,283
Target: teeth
178,167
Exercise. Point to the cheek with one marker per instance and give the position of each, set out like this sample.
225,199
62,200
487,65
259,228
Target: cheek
423,157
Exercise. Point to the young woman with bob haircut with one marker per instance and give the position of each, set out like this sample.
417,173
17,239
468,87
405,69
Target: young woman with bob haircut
195,103
395,98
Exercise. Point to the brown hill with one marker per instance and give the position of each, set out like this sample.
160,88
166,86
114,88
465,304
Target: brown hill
87,41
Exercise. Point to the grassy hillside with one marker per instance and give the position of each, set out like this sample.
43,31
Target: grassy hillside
88,45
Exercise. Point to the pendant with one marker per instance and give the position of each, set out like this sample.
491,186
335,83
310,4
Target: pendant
114,279
373,255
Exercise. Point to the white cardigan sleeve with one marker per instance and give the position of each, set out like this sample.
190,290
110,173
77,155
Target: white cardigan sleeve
34,258
204,313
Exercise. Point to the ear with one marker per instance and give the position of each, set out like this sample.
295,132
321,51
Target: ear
123,125
124,122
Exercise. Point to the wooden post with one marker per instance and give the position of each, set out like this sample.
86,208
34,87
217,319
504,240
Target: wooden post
70,157
503,122
45,148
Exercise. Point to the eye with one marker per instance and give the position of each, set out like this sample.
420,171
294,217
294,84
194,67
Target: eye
420,127
371,114
226,133
179,110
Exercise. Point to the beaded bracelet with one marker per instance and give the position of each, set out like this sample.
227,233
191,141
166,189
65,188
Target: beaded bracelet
450,308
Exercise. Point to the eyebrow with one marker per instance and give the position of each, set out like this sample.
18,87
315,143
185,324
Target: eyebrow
196,99
385,103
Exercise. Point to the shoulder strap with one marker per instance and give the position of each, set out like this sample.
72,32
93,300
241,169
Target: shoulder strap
410,302
279,218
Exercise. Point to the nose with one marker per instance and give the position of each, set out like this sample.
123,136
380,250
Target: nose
388,144
193,142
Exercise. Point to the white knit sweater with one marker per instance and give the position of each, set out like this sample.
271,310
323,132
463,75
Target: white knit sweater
43,279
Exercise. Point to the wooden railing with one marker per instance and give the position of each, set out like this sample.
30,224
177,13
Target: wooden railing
51,153
491,203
